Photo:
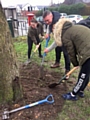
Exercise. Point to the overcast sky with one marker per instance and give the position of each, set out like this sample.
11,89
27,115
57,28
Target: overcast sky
6,3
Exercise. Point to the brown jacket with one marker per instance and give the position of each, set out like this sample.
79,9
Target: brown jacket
34,33
40,29
76,39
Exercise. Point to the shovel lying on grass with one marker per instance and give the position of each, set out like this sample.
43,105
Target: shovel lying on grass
55,84
49,99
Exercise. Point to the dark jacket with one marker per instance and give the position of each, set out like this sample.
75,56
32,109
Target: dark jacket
40,29
34,33
56,17
76,39
85,22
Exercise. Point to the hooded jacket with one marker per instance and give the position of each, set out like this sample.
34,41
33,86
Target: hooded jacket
85,22
34,33
76,39
56,17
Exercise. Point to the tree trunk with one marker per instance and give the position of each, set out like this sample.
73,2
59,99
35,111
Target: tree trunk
9,72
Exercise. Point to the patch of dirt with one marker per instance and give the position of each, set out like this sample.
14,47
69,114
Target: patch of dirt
36,89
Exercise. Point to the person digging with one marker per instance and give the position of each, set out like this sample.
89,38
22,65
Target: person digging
76,39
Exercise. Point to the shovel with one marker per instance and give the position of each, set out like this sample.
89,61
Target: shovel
28,62
47,40
55,84
49,99
35,50
41,67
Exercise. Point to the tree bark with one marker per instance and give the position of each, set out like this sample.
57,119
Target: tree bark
9,71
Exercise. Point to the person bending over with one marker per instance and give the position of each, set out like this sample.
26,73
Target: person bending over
76,39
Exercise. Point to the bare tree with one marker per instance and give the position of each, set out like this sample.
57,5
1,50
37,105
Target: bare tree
9,72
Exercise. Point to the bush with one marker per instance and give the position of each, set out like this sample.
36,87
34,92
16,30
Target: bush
79,8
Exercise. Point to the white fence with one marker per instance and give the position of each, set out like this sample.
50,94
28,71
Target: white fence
21,29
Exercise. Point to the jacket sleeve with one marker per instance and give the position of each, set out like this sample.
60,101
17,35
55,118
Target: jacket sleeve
40,28
42,31
85,22
71,52
52,46
32,36
34,39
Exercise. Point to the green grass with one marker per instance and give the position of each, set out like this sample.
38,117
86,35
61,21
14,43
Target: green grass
72,110
85,17
21,50
76,110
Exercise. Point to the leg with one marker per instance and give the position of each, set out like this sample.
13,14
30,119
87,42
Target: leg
83,78
39,49
67,60
58,51
82,82
30,44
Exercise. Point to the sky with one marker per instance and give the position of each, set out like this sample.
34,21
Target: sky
6,3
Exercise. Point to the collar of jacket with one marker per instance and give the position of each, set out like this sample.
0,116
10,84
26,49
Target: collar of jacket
60,27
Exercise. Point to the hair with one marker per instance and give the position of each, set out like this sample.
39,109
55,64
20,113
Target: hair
34,20
47,12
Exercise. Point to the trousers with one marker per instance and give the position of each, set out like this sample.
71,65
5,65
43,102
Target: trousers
83,78
58,51
30,44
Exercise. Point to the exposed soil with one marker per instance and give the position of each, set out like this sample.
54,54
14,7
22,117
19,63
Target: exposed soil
36,89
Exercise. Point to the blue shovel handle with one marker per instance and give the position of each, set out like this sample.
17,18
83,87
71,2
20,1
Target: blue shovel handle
51,99
46,100
47,40
43,101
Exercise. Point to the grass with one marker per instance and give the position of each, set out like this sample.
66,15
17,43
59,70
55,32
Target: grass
72,110
85,17
21,50
77,110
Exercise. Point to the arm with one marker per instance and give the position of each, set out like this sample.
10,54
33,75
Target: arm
32,35
42,31
51,47
33,38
